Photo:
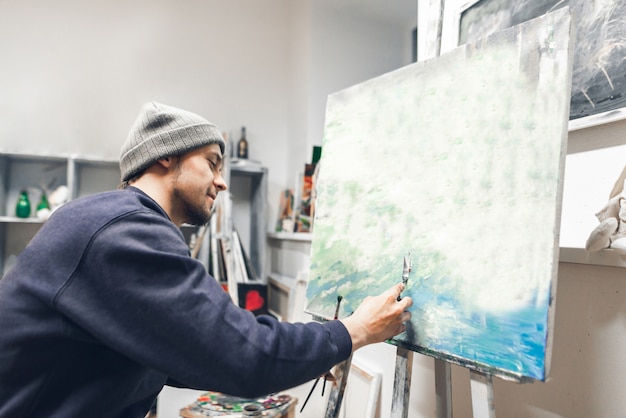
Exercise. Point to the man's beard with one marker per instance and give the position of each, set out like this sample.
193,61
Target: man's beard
194,214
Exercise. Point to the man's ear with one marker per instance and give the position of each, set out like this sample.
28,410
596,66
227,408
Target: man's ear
166,162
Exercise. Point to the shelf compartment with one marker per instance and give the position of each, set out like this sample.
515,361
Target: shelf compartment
31,173
14,236
90,176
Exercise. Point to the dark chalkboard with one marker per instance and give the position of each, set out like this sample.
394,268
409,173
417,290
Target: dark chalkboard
599,68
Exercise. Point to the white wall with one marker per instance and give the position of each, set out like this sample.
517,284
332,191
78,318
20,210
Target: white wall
344,48
74,74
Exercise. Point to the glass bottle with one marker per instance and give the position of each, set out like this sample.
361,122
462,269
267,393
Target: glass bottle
43,202
22,209
43,207
242,145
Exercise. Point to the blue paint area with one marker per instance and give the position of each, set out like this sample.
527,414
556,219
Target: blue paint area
512,342
508,343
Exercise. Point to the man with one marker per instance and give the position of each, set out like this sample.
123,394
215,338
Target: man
105,305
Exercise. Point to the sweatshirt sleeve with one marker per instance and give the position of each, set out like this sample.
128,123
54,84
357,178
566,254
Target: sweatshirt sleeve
137,290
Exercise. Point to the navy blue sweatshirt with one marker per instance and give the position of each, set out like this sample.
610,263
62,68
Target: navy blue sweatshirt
105,306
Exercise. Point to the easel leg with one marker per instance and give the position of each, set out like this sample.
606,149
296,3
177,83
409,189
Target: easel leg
342,370
402,384
443,389
482,395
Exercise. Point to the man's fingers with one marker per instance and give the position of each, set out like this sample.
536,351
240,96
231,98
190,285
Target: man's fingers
397,289
406,302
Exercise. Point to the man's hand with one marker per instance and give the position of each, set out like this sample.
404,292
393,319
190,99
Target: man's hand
378,318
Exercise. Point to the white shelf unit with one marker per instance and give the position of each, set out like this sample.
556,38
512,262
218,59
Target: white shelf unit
290,255
247,184
33,173
291,236
84,176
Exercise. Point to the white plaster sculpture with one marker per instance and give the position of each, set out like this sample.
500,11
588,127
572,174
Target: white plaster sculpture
611,233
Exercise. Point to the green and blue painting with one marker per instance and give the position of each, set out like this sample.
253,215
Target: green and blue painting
457,163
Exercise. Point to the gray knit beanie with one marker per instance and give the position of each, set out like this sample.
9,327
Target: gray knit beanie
161,131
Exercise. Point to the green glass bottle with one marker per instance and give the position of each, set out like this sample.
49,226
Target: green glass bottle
43,203
43,208
22,209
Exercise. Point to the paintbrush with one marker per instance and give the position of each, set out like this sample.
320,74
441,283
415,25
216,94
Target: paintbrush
339,298
328,374
309,395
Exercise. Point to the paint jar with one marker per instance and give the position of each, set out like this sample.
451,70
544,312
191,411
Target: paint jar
252,410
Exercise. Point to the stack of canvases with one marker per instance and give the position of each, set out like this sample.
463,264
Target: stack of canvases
230,265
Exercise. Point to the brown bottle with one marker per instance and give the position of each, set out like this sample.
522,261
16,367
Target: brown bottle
242,145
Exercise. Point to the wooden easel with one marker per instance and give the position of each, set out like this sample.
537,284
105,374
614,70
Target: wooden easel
402,383
339,387
482,395
481,386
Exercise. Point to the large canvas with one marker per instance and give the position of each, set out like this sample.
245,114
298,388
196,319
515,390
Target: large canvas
457,163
